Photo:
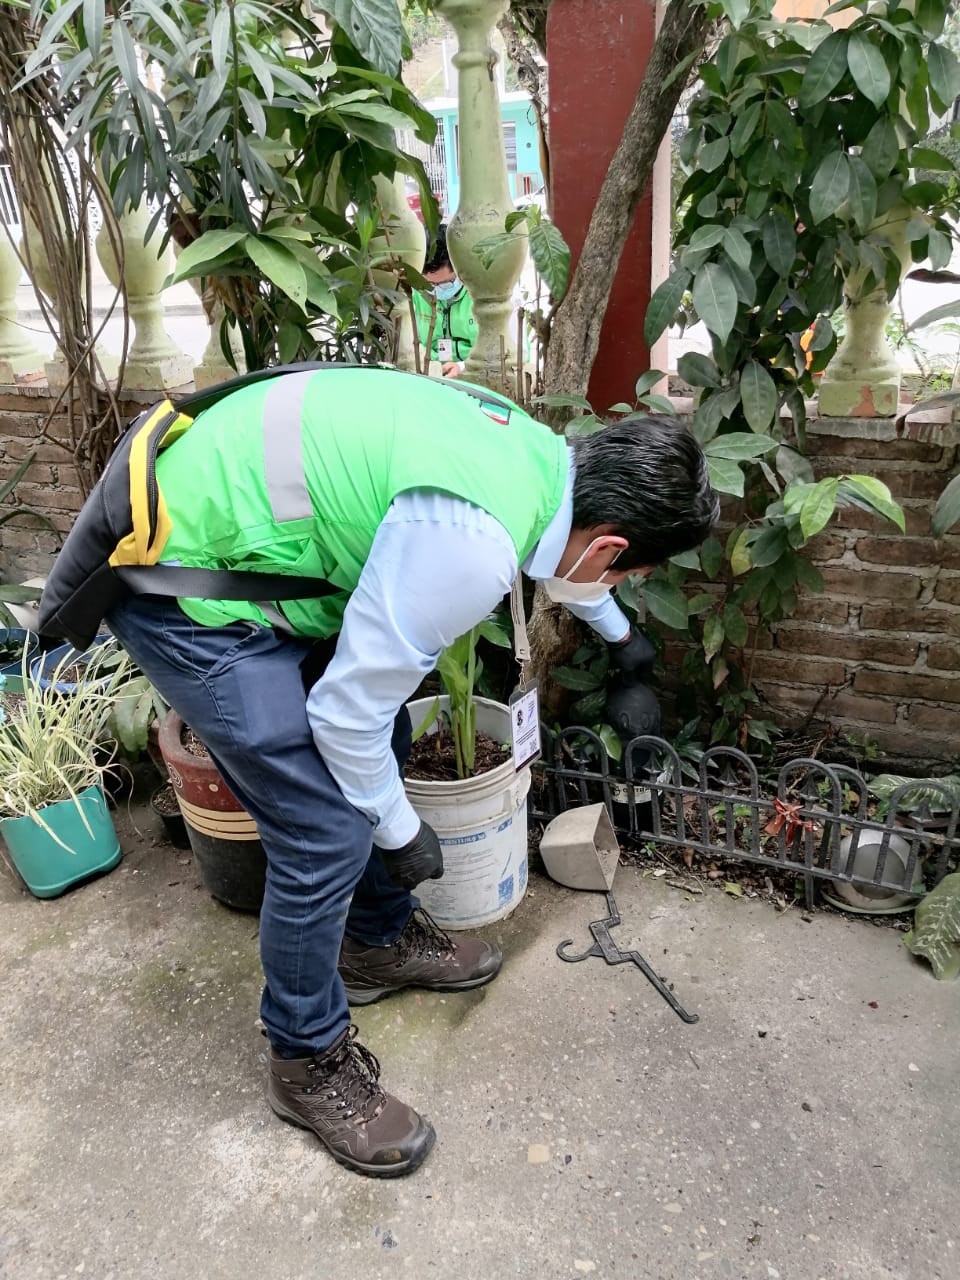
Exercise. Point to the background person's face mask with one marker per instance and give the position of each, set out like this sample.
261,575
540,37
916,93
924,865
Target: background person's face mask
563,591
448,290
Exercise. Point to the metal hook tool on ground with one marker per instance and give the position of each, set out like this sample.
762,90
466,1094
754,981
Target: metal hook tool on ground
604,945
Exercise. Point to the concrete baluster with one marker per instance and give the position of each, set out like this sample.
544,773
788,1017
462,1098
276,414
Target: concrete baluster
18,355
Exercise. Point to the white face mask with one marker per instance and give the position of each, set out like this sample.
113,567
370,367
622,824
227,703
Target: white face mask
563,591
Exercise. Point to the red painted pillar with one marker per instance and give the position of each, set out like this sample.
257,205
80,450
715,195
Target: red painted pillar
598,50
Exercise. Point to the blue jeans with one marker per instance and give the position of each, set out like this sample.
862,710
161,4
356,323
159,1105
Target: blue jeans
239,687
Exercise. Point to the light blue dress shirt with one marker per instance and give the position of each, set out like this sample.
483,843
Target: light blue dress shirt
438,566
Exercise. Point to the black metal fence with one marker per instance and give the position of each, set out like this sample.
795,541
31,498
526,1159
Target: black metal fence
815,820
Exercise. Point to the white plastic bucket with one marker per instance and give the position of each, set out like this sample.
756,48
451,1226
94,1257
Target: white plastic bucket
481,824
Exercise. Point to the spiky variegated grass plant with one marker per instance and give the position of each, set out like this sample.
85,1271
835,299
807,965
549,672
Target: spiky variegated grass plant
49,740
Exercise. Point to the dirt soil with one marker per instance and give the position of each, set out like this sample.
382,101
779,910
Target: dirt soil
165,801
193,744
434,759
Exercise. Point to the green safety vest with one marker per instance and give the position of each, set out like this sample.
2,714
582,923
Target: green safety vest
295,474
455,320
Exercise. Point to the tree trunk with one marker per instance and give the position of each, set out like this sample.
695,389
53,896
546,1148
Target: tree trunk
575,334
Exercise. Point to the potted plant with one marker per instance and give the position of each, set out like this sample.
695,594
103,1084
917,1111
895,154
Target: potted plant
18,646
465,785
222,835
53,814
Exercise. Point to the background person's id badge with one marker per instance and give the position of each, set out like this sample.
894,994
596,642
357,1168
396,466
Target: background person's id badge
525,724
445,349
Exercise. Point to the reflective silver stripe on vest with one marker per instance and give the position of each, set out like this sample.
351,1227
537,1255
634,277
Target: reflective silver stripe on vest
283,447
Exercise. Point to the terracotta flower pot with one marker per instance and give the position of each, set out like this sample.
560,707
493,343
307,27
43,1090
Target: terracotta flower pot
222,835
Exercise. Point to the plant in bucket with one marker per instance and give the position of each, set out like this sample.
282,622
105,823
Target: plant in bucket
53,815
463,782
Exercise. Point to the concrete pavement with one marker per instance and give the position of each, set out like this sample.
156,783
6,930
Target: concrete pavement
795,1132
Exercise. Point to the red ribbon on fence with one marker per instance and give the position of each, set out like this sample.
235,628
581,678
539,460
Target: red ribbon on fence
787,815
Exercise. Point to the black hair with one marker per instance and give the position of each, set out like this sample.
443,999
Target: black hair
648,478
438,255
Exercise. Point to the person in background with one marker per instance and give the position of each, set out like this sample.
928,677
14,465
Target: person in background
454,329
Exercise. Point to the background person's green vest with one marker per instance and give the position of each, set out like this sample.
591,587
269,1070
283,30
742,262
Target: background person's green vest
455,322
295,474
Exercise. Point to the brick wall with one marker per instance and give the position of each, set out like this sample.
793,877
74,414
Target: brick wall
878,654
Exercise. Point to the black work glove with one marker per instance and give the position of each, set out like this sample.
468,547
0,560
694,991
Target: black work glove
633,656
421,859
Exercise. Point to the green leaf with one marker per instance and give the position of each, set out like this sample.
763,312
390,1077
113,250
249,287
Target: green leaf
700,603
825,69
432,712
868,68
758,391
712,155
830,186
881,149
647,381
819,506
947,511
736,11
944,72
715,298
551,257
686,560
711,557
574,678
936,928
205,249
374,28
713,636
664,305
279,266
93,23
611,742
740,561
745,128
739,446
735,890
220,38
586,709
735,626
738,248
793,466
698,370
726,476
874,495
780,242
494,632
667,603
706,237
863,194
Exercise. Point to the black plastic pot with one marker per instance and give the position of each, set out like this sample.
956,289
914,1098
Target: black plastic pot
174,824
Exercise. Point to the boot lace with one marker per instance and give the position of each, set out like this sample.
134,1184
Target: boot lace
352,1077
422,936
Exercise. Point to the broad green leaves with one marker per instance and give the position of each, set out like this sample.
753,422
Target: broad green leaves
868,68
550,254
947,511
715,298
664,305
667,603
759,395
830,185
936,928
375,30
826,69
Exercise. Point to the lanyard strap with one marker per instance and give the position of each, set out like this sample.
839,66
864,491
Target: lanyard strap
521,644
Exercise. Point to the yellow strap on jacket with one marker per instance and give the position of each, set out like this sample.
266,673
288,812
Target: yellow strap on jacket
143,544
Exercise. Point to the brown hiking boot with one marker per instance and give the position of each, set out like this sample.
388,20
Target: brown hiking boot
337,1095
423,956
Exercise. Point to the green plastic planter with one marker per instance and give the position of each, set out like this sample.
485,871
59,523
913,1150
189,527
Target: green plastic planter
47,868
